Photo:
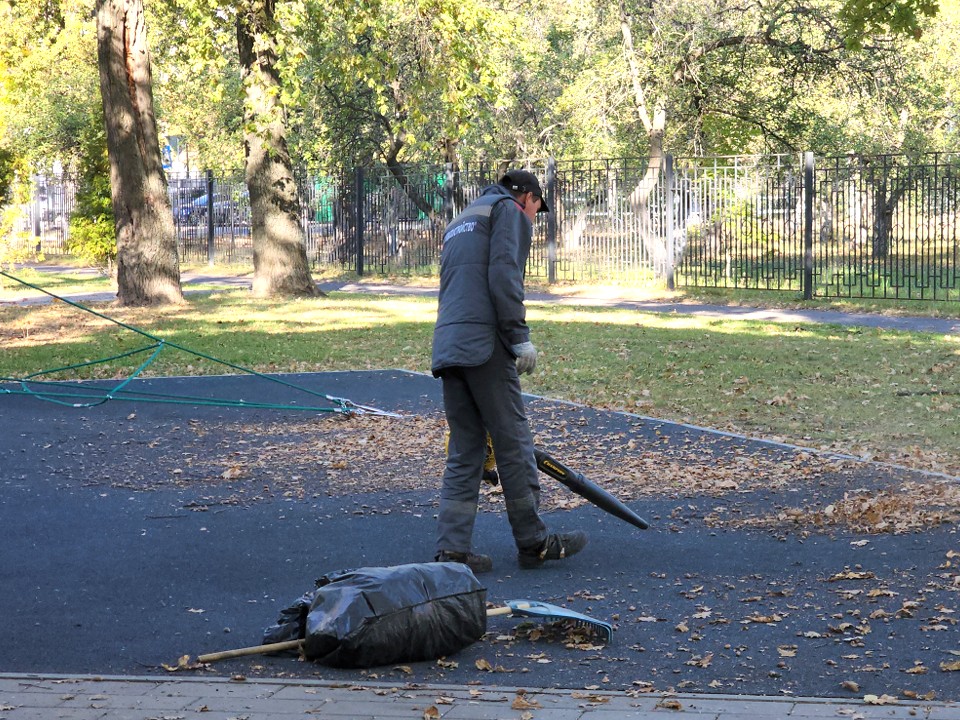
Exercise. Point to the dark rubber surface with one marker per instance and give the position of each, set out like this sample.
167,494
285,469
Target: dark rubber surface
96,577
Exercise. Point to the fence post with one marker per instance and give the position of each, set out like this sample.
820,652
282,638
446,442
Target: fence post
211,248
358,219
669,222
808,197
552,221
37,232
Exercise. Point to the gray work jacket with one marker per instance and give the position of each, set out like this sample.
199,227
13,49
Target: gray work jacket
482,263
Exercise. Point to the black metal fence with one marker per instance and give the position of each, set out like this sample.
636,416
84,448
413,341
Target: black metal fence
869,227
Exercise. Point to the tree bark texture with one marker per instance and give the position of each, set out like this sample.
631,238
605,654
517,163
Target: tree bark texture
280,264
148,271
654,123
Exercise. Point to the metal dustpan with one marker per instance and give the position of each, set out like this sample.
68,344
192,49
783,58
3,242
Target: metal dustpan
546,611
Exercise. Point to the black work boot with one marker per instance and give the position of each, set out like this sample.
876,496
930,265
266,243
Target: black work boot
477,563
556,547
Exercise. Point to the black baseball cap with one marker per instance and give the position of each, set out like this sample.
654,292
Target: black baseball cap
523,181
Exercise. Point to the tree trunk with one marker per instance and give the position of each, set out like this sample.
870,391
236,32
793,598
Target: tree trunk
280,264
453,200
654,123
399,174
148,271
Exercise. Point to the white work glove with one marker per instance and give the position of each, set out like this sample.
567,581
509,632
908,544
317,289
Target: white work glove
526,357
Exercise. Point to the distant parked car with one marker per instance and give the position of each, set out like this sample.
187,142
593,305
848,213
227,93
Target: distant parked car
227,210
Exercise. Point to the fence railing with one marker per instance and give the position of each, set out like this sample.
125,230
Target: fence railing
842,227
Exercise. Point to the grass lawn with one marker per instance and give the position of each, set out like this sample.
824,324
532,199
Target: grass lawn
889,395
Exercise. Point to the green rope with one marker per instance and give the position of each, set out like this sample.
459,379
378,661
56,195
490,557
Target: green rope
342,405
115,393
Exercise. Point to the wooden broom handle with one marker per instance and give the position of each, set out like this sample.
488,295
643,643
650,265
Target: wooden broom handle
296,644
255,650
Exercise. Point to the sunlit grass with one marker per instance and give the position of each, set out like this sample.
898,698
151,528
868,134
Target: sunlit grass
887,394
68,282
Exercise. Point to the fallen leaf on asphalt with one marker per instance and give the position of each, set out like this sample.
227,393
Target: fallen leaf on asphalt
917,670
183,663
431,713
851,575
670,705
913,695
449,664
950,666
763,619
698,661
850,685
586,646
233,473
483,665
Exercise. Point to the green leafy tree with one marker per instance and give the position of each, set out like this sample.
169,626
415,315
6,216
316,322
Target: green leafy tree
868,18
49,97
93,236
8,174
48,78
197,80
401,82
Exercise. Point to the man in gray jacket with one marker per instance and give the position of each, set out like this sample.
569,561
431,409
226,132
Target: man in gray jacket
481,344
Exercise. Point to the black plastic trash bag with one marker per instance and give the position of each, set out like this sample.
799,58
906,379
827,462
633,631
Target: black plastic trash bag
382,615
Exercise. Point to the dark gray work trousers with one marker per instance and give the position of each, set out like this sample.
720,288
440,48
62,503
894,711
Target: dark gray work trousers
478,400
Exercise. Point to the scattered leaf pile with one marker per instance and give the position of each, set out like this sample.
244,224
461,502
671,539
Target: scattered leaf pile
376,457
341,454
910,507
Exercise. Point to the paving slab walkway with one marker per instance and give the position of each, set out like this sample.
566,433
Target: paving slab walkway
72,697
